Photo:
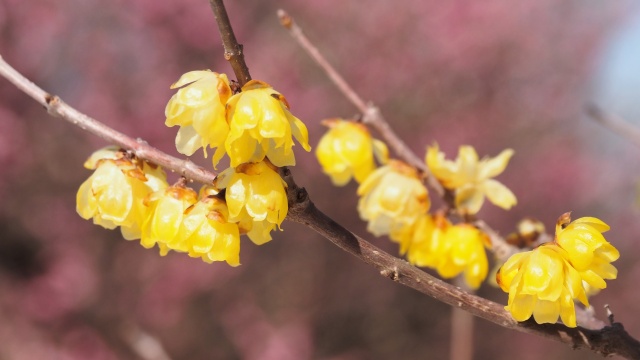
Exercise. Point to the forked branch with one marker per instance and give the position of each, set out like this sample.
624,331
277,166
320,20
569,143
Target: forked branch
607,340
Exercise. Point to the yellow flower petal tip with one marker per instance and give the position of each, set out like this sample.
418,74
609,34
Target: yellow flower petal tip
471,178
347,151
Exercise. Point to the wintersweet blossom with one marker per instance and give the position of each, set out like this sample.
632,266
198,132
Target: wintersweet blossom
113,195
542,283
450,249
206,233
261,125
199,109
392,198
255,194
472,178
347,150
166,213
587,249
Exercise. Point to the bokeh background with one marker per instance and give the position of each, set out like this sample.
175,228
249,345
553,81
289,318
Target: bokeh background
493,74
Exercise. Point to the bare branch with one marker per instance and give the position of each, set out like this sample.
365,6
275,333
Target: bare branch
139,147
615,124
606,341
371,114
233,51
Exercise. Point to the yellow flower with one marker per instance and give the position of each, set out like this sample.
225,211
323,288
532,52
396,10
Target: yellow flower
391,198
261,125
471,178
428,241
450,249
255,190
166,214
347,150
587,249
199,109
543,283
205,233
113,195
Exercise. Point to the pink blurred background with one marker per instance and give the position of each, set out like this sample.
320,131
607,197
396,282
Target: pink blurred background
492,74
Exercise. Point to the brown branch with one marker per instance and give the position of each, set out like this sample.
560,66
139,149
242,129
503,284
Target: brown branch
58,108
233,51
606,341
614,123
371,114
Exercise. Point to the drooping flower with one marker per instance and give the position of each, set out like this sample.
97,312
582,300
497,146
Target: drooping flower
206,233
450,249
166,213
261,125
392,198
542,283
113,195
587,249
347,150
472,178
199,109
255,191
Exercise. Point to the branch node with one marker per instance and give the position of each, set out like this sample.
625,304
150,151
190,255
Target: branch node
285,19
609,314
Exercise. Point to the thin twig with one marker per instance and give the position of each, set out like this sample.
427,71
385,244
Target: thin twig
56,107
233,51
614,123
371,114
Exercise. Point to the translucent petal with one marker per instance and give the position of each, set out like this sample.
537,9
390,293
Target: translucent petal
299,131
494,166
188,140
469,199
380,151
567,310
596,223
546,312
522,307
261,232
86,204
499,194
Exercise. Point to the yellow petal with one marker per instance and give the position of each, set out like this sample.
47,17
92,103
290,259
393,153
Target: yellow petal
546,312
188,140
499,194
494,166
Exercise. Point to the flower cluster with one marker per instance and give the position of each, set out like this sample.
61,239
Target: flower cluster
254,127
113,195
471,179
449,249
124,191
248,126
545,281
394,201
